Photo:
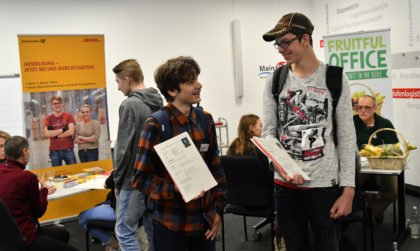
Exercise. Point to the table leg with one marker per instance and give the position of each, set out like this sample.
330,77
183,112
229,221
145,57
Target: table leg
401,207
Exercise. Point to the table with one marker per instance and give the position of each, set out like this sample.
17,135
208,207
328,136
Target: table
401,194
62,192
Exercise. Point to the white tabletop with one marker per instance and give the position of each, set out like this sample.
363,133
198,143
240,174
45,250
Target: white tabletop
62,192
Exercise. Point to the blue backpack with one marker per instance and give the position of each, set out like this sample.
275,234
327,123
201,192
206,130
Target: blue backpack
163,120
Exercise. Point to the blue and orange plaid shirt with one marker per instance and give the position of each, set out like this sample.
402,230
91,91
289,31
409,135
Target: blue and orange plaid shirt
168,207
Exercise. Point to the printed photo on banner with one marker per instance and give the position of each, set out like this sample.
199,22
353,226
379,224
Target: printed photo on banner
66,127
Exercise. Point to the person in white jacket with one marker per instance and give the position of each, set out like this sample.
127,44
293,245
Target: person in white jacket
302,120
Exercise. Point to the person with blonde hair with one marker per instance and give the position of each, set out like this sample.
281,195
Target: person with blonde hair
139,104
87,135
3,137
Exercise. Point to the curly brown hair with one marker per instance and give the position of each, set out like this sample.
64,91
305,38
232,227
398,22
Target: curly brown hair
173,72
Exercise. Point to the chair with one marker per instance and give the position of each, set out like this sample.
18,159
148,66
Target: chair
247,192
98,224
11,238
360,212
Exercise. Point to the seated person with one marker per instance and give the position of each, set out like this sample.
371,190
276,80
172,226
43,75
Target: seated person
366,122
104,211
26,201
3,136
250,125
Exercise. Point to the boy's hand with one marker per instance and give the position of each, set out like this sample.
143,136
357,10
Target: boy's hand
214,231
297,179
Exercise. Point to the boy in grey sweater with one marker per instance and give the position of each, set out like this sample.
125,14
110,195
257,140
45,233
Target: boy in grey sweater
141,102
303,123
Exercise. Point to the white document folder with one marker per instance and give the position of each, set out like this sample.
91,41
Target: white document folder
185,166
272,148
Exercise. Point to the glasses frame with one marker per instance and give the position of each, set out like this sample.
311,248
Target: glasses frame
366,108
284,44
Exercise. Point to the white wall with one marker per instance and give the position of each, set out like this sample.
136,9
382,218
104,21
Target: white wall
403,18
152,32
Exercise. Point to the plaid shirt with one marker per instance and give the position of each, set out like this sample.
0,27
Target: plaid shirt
192,218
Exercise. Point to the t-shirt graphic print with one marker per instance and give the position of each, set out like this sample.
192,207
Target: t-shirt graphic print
303,115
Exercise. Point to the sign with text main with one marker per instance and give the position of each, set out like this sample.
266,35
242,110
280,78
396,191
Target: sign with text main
366,59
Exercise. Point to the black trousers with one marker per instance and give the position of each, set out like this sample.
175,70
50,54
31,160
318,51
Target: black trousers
52,239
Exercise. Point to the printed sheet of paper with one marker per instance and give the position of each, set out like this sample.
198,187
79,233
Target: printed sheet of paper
185,165
272,148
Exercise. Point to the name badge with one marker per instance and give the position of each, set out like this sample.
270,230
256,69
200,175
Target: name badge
204,147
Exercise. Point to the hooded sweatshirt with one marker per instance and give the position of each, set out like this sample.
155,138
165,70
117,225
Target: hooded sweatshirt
138,106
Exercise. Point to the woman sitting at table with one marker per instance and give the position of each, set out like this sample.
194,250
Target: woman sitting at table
104,211
87,135
250,125
26,201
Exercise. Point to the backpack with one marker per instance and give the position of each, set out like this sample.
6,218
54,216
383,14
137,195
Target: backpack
163,120
334,77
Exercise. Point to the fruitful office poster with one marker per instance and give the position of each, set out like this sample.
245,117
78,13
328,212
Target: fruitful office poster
65,109
366,59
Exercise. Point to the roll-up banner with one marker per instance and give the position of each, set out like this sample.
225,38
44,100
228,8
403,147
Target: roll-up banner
65,110
366,59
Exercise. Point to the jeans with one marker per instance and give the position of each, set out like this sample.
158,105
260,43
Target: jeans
57,157
305,213
148,226
101,212
177,241
88,155
130,208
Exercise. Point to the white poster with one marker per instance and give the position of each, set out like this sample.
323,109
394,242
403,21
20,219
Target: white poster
366,59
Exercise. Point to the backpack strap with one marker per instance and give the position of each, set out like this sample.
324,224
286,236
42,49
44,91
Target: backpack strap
279,78
334,79
163,120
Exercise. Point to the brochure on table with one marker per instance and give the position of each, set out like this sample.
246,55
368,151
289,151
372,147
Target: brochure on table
272,148
185,166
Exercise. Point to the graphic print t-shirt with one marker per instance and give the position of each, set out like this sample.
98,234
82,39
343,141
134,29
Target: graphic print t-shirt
303,113
57,123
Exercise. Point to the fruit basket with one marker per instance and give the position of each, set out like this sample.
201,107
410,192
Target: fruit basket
355,97
388,162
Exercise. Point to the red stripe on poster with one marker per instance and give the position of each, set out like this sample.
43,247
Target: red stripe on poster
406,93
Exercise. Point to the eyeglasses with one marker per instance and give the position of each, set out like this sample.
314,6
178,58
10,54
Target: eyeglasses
284,44
59,103
366,108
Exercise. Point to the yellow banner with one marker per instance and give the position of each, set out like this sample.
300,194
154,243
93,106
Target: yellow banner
71,67
50,63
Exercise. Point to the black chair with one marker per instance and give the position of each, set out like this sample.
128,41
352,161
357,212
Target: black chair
248,193
98,224
361,213
11,238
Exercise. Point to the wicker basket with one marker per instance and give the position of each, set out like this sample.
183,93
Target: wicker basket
388,162
372,93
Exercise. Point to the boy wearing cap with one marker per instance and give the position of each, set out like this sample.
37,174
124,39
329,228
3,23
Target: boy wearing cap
178,225
302,120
